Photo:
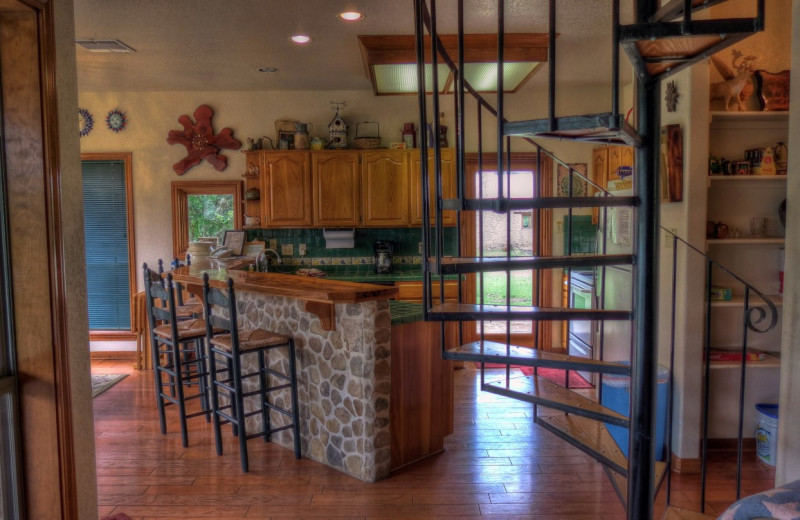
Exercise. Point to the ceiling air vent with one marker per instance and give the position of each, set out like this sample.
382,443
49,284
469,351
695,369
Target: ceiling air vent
104,46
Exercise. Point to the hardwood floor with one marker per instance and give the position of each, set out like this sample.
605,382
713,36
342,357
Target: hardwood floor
498,465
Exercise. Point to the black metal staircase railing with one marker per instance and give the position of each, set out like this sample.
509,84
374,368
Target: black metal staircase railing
634,477
758,318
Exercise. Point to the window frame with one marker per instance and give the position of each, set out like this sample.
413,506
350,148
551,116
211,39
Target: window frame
180,207
542,332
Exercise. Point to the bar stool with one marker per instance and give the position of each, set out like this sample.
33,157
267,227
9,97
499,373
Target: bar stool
177,351
225,352
183,310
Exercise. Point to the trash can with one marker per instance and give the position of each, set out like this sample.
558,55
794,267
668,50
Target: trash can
616,396
767,432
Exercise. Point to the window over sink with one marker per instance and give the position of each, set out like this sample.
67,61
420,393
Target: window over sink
203,209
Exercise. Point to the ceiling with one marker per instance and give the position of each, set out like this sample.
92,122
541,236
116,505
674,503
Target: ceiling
213,45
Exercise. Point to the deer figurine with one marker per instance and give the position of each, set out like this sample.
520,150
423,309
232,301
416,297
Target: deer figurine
736,87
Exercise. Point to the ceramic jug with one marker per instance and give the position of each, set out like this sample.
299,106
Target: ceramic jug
301,139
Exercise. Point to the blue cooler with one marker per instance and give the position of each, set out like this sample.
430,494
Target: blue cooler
616,396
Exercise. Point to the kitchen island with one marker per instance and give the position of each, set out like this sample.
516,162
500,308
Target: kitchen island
371,399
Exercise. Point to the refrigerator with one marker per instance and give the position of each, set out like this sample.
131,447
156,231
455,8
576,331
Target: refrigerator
614,284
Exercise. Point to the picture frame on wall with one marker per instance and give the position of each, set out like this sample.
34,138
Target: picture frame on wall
579,184
671,163
234,240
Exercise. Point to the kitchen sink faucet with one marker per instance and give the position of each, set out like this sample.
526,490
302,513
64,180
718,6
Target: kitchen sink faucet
262,261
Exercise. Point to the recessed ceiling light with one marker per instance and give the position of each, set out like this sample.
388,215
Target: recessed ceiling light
268,69
301,38
351,16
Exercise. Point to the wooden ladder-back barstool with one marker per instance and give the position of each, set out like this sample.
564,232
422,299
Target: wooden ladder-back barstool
184,310
179,360
275,379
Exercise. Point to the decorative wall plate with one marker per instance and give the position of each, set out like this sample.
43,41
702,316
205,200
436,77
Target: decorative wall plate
85,122
116,120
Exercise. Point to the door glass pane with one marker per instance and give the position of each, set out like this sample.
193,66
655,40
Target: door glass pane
9,484
210,215
495,228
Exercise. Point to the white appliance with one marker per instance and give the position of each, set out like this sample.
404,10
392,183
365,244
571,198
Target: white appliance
614,284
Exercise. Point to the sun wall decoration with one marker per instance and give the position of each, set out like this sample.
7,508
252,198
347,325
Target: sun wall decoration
85,122
200,141
116,120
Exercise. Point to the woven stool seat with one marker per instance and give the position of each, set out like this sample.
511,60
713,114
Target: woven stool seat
250,339
187,329
189,310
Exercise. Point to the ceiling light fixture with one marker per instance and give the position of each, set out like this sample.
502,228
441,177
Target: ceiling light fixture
390,62
268,69
351,16
300,39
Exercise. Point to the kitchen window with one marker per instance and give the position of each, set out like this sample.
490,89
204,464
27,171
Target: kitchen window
203,209
486,233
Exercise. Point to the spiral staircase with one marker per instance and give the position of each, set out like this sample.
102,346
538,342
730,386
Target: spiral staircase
663,40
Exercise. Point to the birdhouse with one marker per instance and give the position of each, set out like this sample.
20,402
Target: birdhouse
337,130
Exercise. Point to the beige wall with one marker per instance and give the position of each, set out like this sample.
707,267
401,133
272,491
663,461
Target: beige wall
72,229
789,420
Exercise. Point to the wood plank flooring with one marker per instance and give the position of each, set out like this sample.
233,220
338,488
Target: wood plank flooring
497,465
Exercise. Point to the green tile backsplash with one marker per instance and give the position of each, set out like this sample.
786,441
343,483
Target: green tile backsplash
405,240
583,234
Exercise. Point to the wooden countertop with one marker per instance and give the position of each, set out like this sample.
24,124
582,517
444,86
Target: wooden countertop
319,294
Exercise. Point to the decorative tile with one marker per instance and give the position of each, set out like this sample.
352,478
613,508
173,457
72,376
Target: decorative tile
321,261
362,260
340,260
302,261
417,260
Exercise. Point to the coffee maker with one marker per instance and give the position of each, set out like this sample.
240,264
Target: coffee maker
383,256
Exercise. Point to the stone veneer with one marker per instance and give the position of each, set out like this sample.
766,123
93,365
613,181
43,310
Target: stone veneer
344,380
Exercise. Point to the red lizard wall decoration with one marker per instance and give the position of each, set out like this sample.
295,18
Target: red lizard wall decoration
200,141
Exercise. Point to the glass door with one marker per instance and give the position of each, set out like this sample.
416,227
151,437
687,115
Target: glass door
487,233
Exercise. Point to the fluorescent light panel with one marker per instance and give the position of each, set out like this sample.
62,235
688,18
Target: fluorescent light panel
483,76
402,78
104,46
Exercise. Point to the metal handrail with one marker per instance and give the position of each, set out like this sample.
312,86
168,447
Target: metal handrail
752,317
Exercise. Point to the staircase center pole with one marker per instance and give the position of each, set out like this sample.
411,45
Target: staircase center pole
641,478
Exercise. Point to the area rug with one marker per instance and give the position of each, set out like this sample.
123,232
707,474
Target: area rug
102,382
551,374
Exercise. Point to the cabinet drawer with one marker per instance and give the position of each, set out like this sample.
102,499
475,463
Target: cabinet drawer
412,291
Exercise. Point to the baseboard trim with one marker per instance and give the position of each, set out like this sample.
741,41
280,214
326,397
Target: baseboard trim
685,466
689,466
122,355
112,335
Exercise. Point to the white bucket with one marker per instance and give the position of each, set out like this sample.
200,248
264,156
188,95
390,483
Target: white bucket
767,432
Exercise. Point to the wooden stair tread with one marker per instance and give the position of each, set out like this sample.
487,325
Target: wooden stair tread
460,265
502,205
674,8
605,128
471,311
660,49
589,436
501,353
541,391
620,481
678,513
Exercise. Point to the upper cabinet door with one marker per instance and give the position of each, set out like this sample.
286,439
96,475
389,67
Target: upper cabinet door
286,191
384,188
337,188
448,186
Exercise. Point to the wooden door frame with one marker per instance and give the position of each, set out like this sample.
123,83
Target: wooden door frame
39,260
127,159
544,225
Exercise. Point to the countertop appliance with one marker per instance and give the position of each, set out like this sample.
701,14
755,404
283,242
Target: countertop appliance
383,256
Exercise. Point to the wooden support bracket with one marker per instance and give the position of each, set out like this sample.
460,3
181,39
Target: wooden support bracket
325,312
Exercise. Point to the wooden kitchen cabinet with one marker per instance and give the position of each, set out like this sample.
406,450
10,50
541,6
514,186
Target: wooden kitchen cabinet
412,291
336,180
606,162
448,186
286,189
252,180
384,188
